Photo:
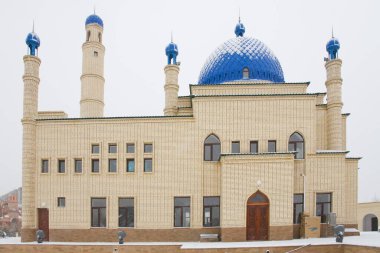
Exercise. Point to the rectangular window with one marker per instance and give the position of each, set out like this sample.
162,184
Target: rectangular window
61,202
254,147
78,165
323,206
235,147
126,212
95,165
44,166
98,212
130,165
148,148
181,211
112,148
130,148
148,165
297,208
112,165
61,166
272,146
211,211
95,149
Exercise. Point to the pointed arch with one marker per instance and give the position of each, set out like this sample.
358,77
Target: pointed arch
258,198
257,217
297,144
245,73
211,148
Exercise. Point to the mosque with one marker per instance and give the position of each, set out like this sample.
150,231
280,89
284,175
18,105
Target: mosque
240,157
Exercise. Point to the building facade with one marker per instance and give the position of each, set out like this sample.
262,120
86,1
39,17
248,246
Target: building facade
241,156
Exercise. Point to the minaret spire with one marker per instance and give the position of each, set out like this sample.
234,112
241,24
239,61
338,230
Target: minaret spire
33,26
332,31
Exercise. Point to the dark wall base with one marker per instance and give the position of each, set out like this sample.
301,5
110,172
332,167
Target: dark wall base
133,235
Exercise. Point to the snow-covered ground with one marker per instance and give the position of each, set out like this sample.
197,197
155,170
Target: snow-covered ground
365,239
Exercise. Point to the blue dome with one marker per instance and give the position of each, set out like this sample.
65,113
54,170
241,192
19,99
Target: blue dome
333,44
32,39
94,19
227,62
33,42
332,48
172,52
172,48
239,29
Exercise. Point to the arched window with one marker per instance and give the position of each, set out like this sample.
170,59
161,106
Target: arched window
212,148
100,37
296,143
88,36
245,73
258,197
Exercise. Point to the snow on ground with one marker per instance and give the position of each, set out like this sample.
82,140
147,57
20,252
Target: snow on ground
365,239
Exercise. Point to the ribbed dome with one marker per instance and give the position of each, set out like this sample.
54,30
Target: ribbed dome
94,19
32,39
227,62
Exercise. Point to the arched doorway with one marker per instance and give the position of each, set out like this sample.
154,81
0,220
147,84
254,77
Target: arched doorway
258,217
370,223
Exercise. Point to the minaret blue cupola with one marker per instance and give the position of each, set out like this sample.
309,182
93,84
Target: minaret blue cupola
239,29
332,47
33,42
172,52
94,19
241,59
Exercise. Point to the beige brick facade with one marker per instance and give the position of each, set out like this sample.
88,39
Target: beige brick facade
243,111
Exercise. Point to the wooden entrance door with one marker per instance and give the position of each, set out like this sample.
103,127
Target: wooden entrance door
43,221
258,217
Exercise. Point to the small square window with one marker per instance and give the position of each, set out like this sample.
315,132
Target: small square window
95,165
78,165
148,148
148,165
254,147
95,53
272,146
95,149
130,165
44,166
61,166
112,165
61,202
130,148
235,147
112,148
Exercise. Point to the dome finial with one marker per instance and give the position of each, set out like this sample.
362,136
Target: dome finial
333,46
239,28
33,41
171,51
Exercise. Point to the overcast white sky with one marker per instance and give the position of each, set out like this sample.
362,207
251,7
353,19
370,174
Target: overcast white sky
135,36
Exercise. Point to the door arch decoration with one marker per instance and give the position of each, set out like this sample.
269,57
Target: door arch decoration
257,217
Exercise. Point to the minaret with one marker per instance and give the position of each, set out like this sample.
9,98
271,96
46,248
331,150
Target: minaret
31,81
171,80
334,96
92,91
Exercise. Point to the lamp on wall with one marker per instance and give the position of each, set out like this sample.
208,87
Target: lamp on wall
40,236
121,236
